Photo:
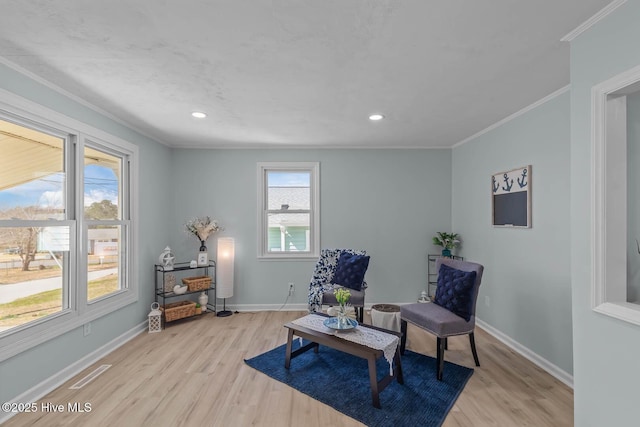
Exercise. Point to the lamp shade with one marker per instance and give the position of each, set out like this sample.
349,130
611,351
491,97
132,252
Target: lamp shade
224,267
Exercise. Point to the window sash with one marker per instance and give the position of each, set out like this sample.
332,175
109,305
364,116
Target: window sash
313,235
105,154
67,298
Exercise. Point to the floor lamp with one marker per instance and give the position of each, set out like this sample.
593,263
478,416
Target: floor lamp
224,273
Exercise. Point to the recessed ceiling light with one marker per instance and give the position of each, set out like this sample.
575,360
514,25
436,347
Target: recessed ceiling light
376,117
199,114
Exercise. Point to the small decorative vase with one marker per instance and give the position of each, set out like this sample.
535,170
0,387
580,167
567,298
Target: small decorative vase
203,247
203,299
446,252
343,321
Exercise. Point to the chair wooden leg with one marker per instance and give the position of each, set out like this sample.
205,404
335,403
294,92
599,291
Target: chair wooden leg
446,344
360,313
403,338
440,357
473,349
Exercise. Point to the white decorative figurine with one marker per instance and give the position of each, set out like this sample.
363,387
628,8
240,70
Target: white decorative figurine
166,259
423,297
203,299
179,290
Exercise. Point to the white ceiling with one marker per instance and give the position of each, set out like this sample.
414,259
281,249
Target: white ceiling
299,73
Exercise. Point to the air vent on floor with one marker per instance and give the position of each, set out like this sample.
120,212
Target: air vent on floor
92,376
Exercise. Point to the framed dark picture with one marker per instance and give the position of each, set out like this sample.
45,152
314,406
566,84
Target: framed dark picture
511,198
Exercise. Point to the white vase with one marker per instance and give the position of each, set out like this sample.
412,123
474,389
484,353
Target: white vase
203,299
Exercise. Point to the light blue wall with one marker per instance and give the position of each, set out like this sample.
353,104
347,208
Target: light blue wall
527,275
28,369
389,202
606,350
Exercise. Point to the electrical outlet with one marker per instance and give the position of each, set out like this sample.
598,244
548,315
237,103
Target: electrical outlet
87,329
292,288
487,301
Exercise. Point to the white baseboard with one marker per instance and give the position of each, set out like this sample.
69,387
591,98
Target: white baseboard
40,390
280,307
264,307
525,352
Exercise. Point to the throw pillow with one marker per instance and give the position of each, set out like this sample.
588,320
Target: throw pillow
454,292
350,270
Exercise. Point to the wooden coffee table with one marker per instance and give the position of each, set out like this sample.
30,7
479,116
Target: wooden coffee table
337,343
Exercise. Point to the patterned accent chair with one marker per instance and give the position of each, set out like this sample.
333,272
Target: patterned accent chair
321,286
452,312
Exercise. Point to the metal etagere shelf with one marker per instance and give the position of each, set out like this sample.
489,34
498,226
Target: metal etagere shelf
184,270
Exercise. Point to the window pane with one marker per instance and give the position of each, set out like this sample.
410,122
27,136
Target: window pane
289,204
102,174
32,264
104,260
288,232
288,190
32,175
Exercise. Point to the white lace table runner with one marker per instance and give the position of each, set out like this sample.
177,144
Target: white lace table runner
364,336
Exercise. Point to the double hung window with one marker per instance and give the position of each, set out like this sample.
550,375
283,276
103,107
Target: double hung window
289,210
65,226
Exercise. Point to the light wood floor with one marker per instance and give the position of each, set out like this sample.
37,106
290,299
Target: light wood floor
193,374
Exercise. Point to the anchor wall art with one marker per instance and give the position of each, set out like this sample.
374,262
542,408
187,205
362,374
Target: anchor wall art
511,198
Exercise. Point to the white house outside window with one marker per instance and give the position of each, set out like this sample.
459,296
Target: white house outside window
288,198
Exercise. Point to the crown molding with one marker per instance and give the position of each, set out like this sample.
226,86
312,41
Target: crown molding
514,115
593,20
46,83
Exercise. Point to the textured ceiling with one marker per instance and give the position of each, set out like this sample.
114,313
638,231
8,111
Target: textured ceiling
299,73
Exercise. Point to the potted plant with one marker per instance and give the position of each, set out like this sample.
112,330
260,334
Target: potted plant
198,309
447,240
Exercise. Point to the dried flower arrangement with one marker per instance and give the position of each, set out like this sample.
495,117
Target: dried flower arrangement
203,227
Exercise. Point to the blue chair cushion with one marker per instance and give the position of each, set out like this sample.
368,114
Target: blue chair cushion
455,291
350,270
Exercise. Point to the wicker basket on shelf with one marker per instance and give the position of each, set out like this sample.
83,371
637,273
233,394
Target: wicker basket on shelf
199,283
178,310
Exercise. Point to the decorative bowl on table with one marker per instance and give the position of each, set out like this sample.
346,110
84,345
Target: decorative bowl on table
335,324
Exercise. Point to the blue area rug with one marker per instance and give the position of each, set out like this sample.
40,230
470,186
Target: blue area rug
342,381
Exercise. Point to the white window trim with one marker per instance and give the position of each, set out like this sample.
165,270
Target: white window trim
32,334
314,169
609,196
